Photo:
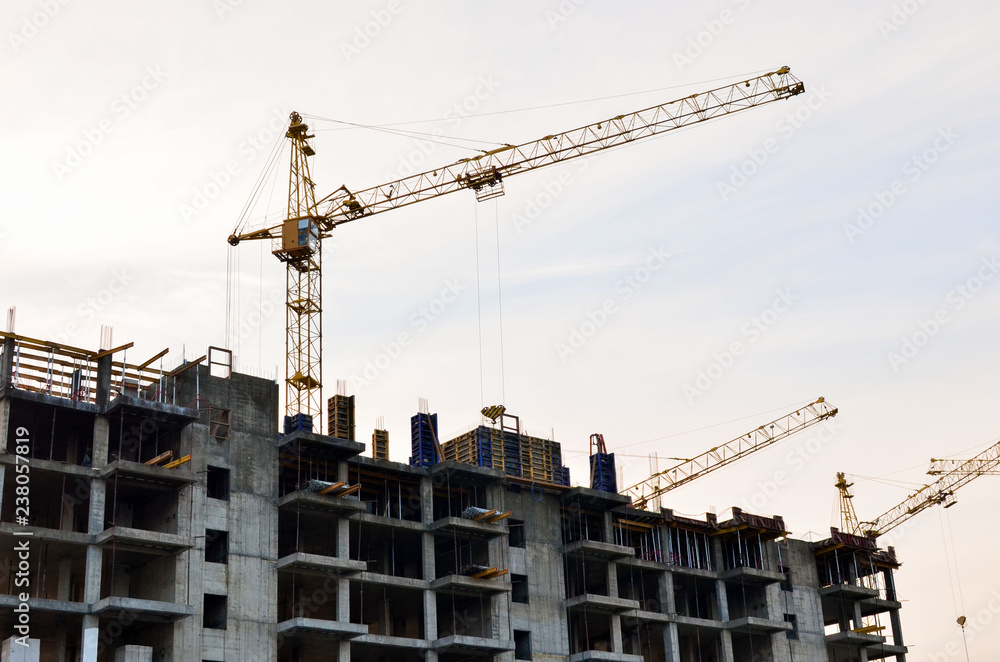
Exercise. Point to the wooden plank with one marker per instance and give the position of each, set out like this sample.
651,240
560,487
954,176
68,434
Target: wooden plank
159,458
485,574
331,488
869,629
45,344
109,352
500,517
142,366
186,366
491,573
488,513
177,462
350,490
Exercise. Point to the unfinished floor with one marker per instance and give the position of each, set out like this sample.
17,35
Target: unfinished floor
169,521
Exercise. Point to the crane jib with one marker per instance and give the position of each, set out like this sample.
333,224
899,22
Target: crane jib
296,240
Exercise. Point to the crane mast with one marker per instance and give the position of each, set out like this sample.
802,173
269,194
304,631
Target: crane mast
720,456
297,239
848,518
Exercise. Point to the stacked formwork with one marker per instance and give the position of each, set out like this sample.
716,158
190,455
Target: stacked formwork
340,416
380,444
519,455
602,472
423,439
474,447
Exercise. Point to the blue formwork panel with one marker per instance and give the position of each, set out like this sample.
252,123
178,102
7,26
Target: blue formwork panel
561,476
602,472
511,454
484,447
298,422
423,432
556,452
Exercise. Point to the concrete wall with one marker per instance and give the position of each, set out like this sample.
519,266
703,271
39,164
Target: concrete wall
542,562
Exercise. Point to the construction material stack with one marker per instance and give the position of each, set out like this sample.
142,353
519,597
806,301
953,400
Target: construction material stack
380,444
340,416
505,447
423,438
602,466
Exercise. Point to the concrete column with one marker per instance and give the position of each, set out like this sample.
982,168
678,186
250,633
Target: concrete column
91,594
665,588
61,642
426,502
3,471
103,380
343,549
722,602
344,600
672,643
91,634
92,576
99,452
727,646
430,616
62,589
4,423
616,633
896,627
608,528
858,620
7,363
98,495
11,651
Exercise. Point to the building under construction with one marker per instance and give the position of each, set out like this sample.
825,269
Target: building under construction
165,518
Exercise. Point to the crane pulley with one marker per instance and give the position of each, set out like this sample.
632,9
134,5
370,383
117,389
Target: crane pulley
296,241
770,433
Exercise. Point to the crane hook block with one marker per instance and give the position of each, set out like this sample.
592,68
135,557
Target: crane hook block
233,240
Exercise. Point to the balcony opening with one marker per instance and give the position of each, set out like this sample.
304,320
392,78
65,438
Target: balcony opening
58,501
217,483
746,600
457,556
522,645
216,546
696,597
519,589
214,615
586,575
515,533
387,551
388,610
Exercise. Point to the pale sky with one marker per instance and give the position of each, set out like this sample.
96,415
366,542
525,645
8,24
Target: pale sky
134,133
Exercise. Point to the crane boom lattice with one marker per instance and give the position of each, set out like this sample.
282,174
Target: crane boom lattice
941,491
720,456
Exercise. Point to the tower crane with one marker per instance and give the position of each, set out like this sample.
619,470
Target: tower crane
770,433
297,239
941,491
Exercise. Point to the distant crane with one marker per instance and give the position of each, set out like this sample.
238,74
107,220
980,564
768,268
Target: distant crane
716,458
953,475
296,241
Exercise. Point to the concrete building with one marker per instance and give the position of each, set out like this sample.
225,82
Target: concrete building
168,520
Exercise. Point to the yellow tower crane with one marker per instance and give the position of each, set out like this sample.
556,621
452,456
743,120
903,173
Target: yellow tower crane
953,475
765,435
296,241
